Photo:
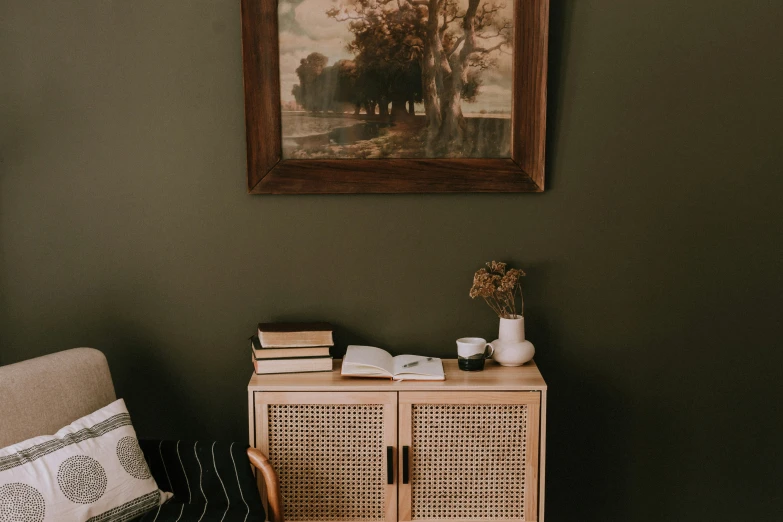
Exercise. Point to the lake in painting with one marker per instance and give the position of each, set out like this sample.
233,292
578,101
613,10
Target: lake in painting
378,79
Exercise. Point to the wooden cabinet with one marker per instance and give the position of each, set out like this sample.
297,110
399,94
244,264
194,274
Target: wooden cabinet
470,448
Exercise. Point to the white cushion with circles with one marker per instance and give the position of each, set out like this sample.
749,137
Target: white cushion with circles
92,469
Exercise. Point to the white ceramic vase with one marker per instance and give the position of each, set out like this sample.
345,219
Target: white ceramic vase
511,348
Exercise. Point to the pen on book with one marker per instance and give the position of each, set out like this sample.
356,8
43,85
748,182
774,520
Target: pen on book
414,363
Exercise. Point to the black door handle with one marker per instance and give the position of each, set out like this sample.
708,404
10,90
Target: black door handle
405,459
389,465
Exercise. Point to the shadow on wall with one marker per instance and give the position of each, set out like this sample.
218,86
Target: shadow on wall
589,424
560,16
588,429
152,384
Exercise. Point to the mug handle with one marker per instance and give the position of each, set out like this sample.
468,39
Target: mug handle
491,351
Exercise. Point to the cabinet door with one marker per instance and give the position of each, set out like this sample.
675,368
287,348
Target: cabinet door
334,453
469,455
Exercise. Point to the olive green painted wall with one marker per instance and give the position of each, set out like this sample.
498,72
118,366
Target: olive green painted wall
653,258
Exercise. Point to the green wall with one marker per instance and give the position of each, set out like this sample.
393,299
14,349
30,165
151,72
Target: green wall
653,257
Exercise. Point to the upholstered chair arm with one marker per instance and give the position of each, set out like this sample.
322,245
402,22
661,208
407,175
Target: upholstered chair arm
274,500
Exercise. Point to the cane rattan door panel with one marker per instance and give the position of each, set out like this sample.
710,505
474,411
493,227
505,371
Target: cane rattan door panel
330,451
470,456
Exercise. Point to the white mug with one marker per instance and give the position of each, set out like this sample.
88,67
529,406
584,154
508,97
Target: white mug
472,346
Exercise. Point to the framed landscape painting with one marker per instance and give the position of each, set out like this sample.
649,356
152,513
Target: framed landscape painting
391,96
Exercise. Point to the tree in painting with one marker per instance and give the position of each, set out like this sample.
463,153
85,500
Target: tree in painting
436,54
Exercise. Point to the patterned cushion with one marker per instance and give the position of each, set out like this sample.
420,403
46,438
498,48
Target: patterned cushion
93,469
211,481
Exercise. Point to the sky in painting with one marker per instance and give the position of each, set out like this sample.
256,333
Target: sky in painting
305,28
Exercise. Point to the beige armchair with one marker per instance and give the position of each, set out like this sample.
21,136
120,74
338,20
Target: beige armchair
41,395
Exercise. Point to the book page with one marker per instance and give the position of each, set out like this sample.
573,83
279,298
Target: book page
367,360
432,368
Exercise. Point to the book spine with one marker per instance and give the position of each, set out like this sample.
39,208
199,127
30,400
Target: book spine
315,364
306,357
288,371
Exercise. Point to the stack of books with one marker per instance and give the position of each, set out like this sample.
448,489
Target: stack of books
292,348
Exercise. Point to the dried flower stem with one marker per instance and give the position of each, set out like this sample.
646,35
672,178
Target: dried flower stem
498,287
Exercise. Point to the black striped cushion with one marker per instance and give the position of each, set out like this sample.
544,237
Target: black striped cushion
211,481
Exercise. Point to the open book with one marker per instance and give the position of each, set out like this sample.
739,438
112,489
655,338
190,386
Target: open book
368,361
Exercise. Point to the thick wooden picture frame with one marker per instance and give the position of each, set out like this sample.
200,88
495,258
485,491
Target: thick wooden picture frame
268,173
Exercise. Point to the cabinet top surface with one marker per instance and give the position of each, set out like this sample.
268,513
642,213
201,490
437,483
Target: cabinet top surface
493,377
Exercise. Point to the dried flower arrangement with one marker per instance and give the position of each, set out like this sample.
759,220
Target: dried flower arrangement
499,287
